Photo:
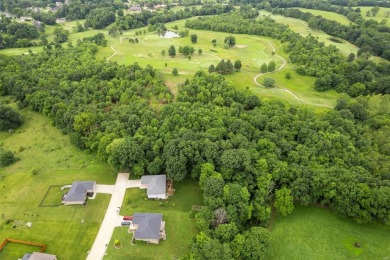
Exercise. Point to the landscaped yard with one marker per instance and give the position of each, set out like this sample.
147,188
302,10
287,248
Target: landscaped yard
317,233
43,150
179,226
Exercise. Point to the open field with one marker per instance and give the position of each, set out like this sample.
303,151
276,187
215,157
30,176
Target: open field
383,14
317,233
43,148
179,226
253,51
328,15
302,28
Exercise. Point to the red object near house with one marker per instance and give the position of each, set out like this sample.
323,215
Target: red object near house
127,217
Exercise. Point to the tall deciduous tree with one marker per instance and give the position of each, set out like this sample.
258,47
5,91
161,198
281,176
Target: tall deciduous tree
172,51
284,202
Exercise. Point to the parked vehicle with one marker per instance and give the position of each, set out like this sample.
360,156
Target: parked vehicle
125,223
127,217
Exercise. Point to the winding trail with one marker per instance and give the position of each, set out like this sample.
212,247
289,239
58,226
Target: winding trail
115,51
285,90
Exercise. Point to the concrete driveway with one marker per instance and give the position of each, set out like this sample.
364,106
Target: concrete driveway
100,188
134,184
111,219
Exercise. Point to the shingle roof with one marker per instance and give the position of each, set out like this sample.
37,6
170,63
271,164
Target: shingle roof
78,190
39,256
157,184
148,225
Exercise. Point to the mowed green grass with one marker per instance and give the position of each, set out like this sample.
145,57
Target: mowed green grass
302,28
383,14
317,233
14,251
328,15
252,50
179,226
42,147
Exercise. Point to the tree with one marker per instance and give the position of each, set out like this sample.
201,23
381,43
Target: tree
269,82
114,31
214,42
264,68
351,57
61,35
230,41
163,52
175,72
6,157
211,68
284,202
9,118
271,66
356,89
237,65
194,38
200,51
172,51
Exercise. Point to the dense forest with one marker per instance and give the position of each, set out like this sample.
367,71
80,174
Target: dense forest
247,154
353,76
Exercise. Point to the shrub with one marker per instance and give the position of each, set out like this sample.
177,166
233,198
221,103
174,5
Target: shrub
34,171
9,118
269,82
6,157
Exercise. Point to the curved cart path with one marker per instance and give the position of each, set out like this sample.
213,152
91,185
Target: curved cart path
115,51
285,90
111,218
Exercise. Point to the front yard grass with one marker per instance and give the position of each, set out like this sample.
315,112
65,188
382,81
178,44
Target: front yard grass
47,158
179,226
317,233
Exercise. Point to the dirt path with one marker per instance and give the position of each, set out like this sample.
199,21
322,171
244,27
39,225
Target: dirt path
285,90
115,51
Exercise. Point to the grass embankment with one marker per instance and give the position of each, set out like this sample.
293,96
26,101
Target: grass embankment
317,233
43,148
383,14
328,15
179,226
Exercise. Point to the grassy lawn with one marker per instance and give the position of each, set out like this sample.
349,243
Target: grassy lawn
316,233
42,147
328,15
383,14
53,196
302,28
179,227
14,251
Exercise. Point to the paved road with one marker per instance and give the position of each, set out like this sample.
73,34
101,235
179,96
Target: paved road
110,219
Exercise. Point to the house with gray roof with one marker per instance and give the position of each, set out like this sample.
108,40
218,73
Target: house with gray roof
156,186
39,256
78,192
148,227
